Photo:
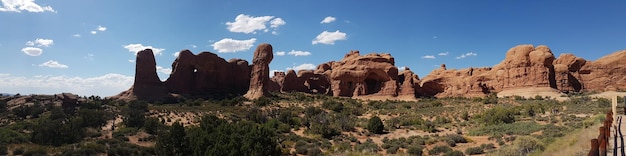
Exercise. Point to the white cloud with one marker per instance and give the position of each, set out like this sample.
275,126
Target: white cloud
299,53
276,22
329,37
443,54
328,19
32,51
466,55
274,33
428,57
163,70
93,32
402,68
306,66
76,35
101,28
176,54
193,46
44,42
229,45
105,85
139,47
40,42
249,24
23,5
53,64
280,53
131,61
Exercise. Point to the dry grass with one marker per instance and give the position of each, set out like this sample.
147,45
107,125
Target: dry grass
574,143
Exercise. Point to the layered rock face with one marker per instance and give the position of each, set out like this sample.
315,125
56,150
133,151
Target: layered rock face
354,75
605,74
526,66
260,76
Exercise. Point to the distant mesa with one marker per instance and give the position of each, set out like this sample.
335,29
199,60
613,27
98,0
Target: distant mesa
525,66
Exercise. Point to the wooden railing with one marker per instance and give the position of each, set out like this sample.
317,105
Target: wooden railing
600,144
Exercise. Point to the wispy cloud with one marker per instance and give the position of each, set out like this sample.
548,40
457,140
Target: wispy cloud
329,37
229,45
76,35
299,53
40,42
306,66
443,54
280,53
163,70
428,57
466,55
23,5
99,28
328,19
134,48
53,64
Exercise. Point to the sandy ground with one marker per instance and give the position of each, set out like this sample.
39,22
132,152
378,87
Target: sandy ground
608,95
383,98
531,92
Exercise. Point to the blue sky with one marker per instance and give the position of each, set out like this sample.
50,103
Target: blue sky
88,46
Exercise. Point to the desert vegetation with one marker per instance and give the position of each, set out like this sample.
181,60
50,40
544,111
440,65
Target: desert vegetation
298,124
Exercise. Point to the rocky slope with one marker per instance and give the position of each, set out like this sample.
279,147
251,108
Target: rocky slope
525,66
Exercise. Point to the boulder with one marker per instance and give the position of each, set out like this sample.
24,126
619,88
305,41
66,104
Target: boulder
260,80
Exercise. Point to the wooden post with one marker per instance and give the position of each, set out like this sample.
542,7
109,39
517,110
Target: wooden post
594,148
602,141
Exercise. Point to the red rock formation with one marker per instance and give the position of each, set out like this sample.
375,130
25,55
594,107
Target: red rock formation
147,85
525,66
566,69
409,83
605,74
358,75
260,81
206,74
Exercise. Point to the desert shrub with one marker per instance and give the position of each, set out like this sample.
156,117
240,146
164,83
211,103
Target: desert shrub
152,125
454,153
415,150
498,115
527,144
3,149
134,114
474,151
393,150
439,150
487,146
333,105
602,102
367,147
456,138
375,125
491,99
8,136
18,151
518,128
263,101
35,151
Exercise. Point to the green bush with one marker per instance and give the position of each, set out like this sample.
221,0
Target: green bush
333,105
367,147
18,151
375,125
415,150
474,151
454,153
439,149
498,115
3,149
